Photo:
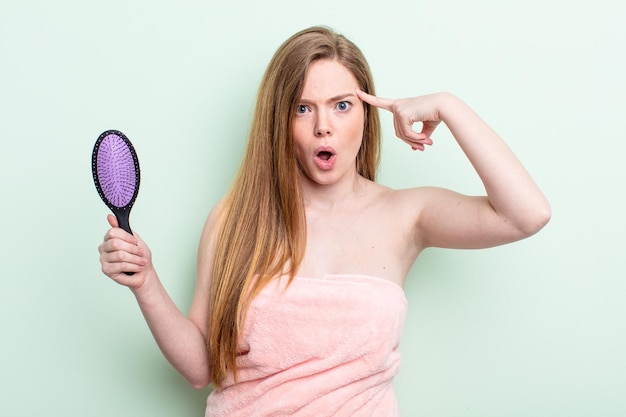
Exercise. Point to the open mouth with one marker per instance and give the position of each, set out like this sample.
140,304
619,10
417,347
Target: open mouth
324,155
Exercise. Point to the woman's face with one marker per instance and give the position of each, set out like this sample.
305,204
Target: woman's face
328,125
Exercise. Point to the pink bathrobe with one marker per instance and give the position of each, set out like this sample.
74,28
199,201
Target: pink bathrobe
319,347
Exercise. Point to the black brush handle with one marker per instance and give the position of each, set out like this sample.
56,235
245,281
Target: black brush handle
122,219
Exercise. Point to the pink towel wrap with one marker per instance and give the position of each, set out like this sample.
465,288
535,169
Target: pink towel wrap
320,347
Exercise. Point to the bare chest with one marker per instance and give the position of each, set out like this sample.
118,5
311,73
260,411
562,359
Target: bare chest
369,242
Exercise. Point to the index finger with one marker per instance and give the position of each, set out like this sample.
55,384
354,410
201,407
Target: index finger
383,103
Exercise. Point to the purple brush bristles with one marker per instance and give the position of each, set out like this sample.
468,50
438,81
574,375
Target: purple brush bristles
116,170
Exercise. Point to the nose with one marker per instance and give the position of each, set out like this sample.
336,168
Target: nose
322,125
321,132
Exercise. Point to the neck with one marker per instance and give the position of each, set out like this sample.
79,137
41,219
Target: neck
326,197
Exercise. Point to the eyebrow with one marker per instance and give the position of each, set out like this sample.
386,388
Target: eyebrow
332,99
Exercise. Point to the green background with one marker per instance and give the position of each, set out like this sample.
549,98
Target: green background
535,328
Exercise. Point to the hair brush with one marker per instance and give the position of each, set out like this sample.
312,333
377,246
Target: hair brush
115,169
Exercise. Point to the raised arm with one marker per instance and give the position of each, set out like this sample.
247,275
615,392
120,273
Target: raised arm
181,339
514,207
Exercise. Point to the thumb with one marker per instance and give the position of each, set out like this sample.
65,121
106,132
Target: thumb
383,103
112,220
132,238
428,127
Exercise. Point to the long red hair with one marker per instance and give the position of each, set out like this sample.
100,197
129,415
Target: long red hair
263,226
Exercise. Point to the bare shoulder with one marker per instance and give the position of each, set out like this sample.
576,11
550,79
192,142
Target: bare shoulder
400,206
411,208
413,200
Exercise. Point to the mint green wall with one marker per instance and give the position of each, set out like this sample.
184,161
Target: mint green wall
536,328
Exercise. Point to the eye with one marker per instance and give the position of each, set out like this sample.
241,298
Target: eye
343,105
301,109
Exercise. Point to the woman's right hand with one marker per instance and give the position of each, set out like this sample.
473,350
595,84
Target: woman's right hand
122,252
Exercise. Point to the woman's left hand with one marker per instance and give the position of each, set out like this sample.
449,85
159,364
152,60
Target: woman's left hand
408,111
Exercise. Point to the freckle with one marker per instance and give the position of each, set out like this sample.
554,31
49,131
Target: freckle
372,247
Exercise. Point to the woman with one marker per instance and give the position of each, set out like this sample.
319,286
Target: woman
298,307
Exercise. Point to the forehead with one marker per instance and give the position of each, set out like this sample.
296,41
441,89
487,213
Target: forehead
327,78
